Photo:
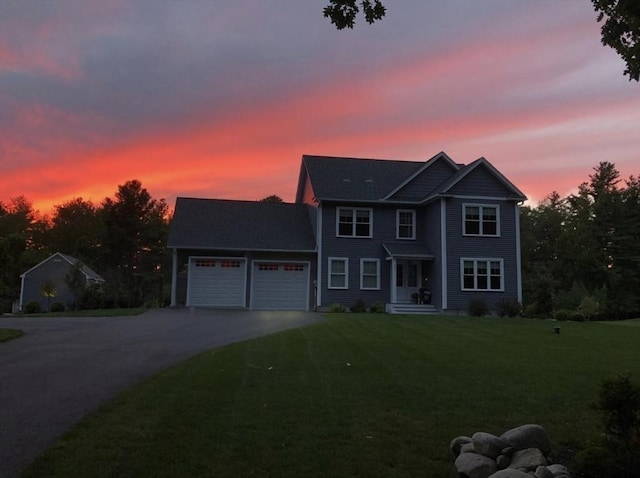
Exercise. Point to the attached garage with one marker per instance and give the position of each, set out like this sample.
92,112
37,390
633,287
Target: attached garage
280,285
217,282
242,254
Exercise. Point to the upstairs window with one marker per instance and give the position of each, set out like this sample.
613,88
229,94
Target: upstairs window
480,220
406,224
354,222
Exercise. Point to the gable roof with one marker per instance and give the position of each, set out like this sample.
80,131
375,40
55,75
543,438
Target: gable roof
86,270
373,180
335,178
240,225
459,176
441,156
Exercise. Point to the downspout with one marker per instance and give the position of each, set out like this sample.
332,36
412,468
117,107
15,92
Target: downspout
518,253
20,305
174,277
319,257
443,251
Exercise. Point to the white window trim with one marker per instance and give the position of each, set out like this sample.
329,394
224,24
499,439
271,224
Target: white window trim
346,272
475,260
354,209
480,206
413,224
362,261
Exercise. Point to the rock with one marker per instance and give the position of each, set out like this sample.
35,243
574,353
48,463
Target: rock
510,473
503,462
529,459
508,450
457,443
559,471
487,444
528,436
467,448
473,465
543,472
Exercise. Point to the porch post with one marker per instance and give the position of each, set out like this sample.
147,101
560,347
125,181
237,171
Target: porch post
174,277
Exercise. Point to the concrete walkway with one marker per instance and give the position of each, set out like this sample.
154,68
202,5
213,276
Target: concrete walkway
63,368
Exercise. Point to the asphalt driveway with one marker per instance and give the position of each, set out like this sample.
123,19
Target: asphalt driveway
63,368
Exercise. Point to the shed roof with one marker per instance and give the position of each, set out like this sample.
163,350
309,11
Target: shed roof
240,225
86,270
408,250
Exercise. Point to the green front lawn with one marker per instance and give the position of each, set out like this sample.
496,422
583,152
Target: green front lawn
9,334
356,395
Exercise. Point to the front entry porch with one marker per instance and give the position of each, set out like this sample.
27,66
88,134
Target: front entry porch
410,266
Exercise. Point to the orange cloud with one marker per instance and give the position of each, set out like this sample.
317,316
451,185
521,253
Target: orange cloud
411,109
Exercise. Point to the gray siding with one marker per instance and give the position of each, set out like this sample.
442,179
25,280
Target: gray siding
53,269
425,183
459,246
432,237
480,182
384,230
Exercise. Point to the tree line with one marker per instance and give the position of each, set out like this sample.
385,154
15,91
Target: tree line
580,253
122,238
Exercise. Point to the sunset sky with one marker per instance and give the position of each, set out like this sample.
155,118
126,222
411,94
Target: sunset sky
220,99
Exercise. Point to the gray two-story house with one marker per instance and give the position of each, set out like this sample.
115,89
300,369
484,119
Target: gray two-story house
420,236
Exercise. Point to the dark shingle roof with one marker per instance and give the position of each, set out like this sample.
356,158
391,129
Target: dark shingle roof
356,179
412,250
240,225
86,270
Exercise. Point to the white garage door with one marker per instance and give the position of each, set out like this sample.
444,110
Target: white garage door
216,282
280,286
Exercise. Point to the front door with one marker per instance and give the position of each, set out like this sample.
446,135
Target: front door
407,273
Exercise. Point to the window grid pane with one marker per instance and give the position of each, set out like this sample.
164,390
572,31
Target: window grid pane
354,222
370,274
405,224
481,220
338,273
481,274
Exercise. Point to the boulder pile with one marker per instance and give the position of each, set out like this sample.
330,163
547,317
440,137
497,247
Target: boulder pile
521,452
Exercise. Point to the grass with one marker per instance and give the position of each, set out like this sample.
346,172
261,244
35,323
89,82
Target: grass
90,313
10,334
355,395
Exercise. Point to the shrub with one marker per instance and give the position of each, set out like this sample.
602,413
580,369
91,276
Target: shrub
565,314
589,307
358,307
508,307
619,402
57,307
377,308
478,307
337,308
91,298
32,308
594,462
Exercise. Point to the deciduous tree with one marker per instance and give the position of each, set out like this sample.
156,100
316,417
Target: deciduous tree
343,13
621,31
